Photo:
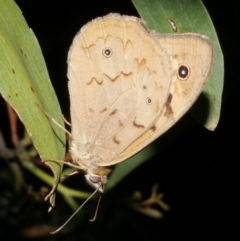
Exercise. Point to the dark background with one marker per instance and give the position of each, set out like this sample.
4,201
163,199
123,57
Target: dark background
198,173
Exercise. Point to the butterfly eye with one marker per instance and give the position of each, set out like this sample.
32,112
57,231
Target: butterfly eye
107,52
183,72
95,178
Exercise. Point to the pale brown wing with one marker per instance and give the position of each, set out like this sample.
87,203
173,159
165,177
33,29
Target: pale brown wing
119,80
191,54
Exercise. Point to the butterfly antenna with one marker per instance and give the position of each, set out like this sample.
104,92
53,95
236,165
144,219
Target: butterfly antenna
56,231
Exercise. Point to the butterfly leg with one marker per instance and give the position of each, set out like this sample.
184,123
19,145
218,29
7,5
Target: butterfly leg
65,163
68,123
54,121
68,175
54,188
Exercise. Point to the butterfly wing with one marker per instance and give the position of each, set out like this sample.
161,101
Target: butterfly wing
191,57
119,81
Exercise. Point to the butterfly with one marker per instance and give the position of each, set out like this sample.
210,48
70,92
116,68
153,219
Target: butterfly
127,86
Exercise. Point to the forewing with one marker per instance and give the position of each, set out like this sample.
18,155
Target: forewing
119,80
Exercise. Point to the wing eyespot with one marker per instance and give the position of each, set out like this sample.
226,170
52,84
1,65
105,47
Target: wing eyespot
149,101
144,87
107,52
183,72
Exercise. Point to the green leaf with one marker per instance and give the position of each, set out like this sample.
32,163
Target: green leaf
190,16
24,84
187,16
124,168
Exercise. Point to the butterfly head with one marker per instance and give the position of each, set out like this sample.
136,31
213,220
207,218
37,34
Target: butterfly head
96,181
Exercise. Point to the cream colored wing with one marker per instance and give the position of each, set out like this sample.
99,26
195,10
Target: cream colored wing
191,57
119,81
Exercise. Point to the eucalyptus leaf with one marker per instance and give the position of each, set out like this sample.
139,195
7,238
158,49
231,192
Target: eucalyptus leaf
190,16
25,85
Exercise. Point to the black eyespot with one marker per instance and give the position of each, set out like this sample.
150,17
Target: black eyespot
107,52
95,179
183,72
144,87
149,101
